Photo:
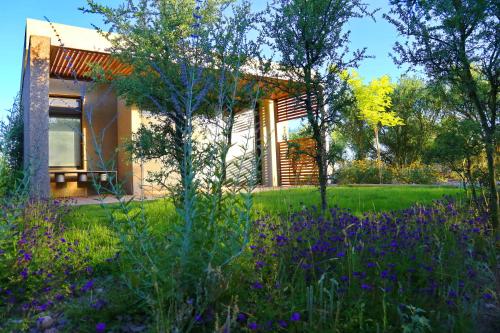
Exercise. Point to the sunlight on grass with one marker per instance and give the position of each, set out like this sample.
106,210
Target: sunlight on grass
90,224
357,199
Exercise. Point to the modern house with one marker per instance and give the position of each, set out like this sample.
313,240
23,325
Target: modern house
59,137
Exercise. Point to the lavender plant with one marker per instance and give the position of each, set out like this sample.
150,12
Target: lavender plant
39,268
406,270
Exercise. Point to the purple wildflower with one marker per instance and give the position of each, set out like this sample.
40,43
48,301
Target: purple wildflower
100,327
87,286
257,285
253,326
295,316
241,317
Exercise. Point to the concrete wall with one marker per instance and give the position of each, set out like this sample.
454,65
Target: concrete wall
35,102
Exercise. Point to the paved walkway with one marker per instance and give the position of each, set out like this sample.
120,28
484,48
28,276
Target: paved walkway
97,200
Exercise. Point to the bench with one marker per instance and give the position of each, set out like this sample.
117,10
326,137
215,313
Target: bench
82,175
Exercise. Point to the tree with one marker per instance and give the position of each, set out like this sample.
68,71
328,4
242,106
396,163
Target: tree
164,42
311,42
373,102
420,109
458,146
11,137
457,42
357,133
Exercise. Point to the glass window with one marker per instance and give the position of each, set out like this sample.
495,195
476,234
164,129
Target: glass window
294,129
65,132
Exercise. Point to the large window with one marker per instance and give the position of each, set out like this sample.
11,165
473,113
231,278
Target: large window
65,132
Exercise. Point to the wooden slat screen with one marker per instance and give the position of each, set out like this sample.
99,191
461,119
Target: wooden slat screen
289,108
297,168
68,63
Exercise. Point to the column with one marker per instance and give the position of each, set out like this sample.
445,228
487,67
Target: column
35,102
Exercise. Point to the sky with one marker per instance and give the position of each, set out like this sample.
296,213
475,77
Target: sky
377,36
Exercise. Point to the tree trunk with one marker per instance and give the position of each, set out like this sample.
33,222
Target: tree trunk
379,159
493,195
322,169
471,181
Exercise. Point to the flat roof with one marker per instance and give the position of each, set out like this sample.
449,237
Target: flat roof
70,36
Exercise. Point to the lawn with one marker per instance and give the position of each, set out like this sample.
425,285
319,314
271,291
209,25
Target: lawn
90,224
358,199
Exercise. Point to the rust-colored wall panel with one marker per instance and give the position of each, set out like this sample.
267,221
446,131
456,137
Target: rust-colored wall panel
297,167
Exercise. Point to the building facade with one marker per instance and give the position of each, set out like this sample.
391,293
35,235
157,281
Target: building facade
75,130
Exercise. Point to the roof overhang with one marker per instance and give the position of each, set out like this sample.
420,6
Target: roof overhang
69,63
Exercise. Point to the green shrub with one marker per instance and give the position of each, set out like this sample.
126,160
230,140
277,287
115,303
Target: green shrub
11,137
417,174
366,172
363,172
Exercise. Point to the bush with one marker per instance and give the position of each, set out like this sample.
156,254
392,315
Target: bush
11,137
417,174
411,270
366,172
363,172
11,148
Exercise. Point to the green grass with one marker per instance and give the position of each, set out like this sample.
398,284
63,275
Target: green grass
90,224
358,199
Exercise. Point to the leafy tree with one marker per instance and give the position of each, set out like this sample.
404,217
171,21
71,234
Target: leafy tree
373,102
158,45
420,109
311,43
11,137
458,42
458,146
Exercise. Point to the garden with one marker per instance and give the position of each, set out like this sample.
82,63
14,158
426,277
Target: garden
398,233
426,264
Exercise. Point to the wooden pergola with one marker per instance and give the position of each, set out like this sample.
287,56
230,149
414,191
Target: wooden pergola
67,63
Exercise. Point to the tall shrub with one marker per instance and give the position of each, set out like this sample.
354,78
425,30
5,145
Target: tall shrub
187,59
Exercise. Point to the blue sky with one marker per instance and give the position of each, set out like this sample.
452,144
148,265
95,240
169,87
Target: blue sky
378,37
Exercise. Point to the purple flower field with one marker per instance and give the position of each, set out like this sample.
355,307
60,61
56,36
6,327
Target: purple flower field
415,270
420,267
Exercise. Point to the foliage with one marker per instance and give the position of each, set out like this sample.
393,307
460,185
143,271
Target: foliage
366,172
188,59
5,177
409,270
11,144
373,102
39,268
457,42
417,173
124,307
358,134
458,146
420,108
311,43
337,150
363,172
